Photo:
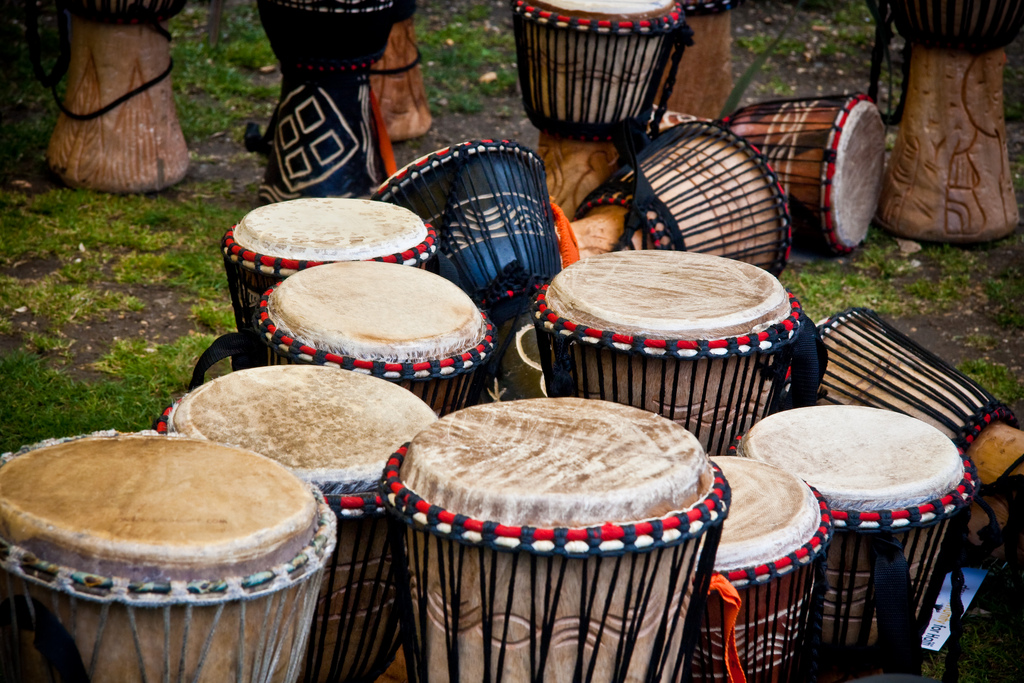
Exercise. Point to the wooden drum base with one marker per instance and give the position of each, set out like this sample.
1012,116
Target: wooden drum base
704,77
402,98
136,147
948,179
575,168
993,452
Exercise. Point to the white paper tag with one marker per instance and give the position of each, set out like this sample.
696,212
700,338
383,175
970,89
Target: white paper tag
938,628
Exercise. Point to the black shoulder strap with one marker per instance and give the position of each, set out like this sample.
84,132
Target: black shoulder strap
243,348
899,639
51,639
810,360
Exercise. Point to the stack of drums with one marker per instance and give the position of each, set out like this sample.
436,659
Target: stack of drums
703,189
828,154
118,130
337,430
275,241
138,557
554,539
585,66
405,325
899,490
701,340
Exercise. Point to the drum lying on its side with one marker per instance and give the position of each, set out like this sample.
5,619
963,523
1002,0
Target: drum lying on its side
336,430
142,557
554,539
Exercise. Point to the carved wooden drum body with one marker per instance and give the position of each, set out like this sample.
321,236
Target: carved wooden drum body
337,431
897,488
397,84
118,130
771,553
701,340
948,178
584,66
554,539
275,241
828,154
405,325
713,193
136,557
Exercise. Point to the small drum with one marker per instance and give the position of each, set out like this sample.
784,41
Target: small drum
704,341
771,552
272,242
584,66
897,488
948,177
554,540
712,193
337,430
139,557
490,206
404,325
828,154
118,130
398,85
326,138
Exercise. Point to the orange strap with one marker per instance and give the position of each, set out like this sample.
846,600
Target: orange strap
568,247
383,141
731,599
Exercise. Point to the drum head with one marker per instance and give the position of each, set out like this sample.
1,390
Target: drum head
772,514
152,507
857,182
621,10
376,311
668,294
557,462
335,428
860,459
330,230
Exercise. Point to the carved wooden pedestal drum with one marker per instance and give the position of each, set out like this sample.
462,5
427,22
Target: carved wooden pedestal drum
397,83
704,76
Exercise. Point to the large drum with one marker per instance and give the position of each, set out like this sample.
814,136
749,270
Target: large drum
828,154
584,66
710,192
139,557
771,554
899,490
337,430
702,340
872,364
275,241
405,325
118,130
949,178
397,84
555,540
326,138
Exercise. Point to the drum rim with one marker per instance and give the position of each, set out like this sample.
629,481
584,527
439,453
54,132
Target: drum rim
258,263
666,23
609,539
309,560
421,370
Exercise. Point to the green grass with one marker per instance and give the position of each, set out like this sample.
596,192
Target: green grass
1006,297
757,44
995,377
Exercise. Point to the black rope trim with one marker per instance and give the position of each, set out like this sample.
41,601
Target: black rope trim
696,9
398,70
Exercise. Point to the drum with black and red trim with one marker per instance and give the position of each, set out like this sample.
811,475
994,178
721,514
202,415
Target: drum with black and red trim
899,490
772,557
336,430
275,241
405,325
702,188
828,154
554,540
705,341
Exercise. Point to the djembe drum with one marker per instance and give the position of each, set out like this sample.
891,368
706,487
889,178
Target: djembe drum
397,84
555,540
405,325
142,557
872,364
897,488
275,241
770,557
118,130
703,189
949,178
325,138
702,340
489,204
584,66
336,430
828,154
